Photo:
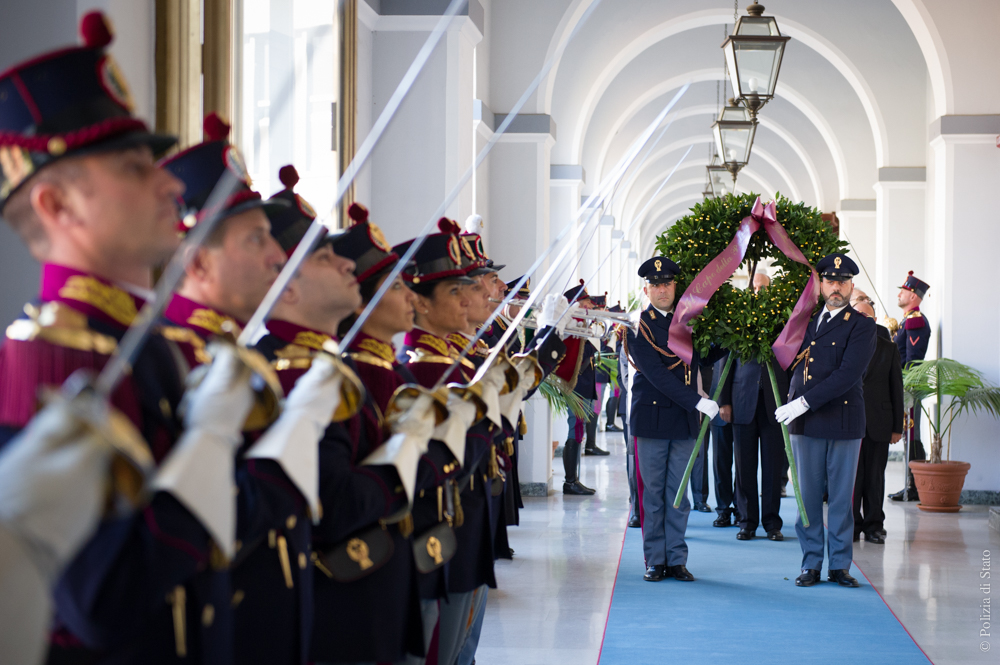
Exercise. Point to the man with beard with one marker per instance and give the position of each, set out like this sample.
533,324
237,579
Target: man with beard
825,415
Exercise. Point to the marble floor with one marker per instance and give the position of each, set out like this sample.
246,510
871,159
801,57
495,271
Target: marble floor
553,599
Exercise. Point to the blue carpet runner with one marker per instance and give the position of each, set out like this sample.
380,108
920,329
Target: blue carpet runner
744,607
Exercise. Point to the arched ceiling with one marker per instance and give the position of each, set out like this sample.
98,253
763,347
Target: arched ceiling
851,97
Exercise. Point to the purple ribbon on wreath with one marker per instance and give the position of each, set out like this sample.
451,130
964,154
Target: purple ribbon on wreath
722,267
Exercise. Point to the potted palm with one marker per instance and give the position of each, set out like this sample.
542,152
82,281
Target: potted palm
940,482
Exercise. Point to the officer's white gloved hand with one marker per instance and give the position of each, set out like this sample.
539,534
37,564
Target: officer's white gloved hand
200,470
461,415
222,401
789,412
708,407
52,481
293,440
554,308
510,404
492,383
412,433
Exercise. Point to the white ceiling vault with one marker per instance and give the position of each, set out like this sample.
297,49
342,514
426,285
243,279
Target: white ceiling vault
858,82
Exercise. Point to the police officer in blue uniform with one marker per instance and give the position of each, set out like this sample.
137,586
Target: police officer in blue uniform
825,415
664,419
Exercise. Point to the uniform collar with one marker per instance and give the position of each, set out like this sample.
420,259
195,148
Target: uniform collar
91,295
293,333
429,342
202,319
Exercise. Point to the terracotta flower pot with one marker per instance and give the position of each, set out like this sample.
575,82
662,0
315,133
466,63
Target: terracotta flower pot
939,485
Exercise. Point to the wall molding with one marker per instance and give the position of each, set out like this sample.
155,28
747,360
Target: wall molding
948,125
902,174
856,205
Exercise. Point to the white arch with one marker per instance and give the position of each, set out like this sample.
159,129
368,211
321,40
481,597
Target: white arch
772,125
789,94
935,55
765,156
710,17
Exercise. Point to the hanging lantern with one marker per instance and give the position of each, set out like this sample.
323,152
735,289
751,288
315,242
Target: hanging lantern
753,54
734,133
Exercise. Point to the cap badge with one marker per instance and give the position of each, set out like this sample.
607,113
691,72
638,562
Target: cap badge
234,162
658,264
453,250
114,83
305,207
16,164
467,248
378,238
837,261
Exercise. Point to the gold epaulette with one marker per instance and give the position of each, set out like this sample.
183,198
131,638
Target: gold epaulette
424,356
293,356
370,359
187,336
60,325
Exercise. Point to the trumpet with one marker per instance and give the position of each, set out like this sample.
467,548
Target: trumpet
586,322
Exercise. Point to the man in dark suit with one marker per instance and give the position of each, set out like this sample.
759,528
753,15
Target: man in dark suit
664,420
884,425
722,459
826,409
748,390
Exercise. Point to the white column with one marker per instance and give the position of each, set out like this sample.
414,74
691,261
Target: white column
899,231
857,223
963,237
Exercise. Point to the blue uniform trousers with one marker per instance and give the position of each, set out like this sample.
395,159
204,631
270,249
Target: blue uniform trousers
661,466
830,466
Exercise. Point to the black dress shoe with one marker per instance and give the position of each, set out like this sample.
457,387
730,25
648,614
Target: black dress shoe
875,538
680,572
857,537
842,578
722,520
576,488
882,533
775,535
702,507
808,577
633,522
613,428
595,451
745,534
654,573
898,496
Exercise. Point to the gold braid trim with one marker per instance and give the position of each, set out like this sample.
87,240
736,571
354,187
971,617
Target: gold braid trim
644,329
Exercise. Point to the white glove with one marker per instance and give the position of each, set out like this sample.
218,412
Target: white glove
492,383
461,415
411,435
199,472
708,407
510,404
789,412
293,440
52,480
25,603
554,307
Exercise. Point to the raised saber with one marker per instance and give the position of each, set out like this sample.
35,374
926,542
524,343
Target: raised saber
457,189
347,177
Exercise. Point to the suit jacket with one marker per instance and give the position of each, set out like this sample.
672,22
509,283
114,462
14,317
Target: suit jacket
884,389
744,385
664,390
828,372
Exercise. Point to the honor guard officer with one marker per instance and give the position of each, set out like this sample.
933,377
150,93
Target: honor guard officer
664,420
80,186
825,415
912,340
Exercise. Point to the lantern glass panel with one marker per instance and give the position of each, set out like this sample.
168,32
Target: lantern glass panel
760,26
755,69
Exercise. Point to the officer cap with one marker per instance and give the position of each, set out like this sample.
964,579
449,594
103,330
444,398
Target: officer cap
439,257
525,289
600,301
577,293
658,270
917,286
837,267
290,222
200,168
365,244
72,101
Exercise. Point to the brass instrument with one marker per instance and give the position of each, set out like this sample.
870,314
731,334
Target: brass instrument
595,322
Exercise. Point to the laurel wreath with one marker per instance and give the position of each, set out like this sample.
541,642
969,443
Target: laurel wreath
742,321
